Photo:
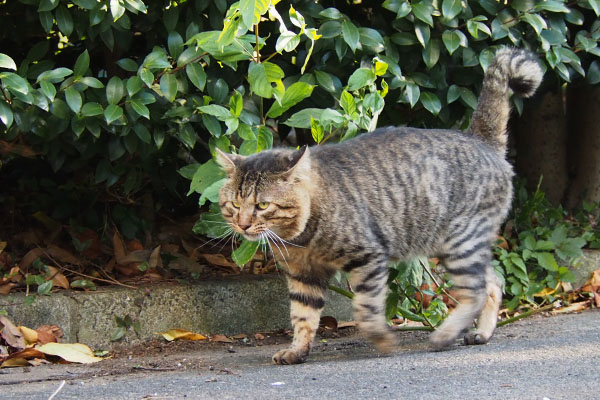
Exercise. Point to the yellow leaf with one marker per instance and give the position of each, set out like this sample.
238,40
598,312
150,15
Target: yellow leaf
181,334
545,292
14,362
30,335
73,352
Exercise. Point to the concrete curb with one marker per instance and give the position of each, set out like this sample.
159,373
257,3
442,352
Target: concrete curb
237,305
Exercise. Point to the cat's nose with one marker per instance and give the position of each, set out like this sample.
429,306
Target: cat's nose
243,226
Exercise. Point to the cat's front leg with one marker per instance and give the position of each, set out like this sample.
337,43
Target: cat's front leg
307,295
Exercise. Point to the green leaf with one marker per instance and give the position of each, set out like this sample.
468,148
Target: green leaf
140,108
451,40
47,5
6,114
64,20
48,89
423,33
287,41
7,62
116,9
431,53
45,288
216,110
91,82
350,34
547,261
114,90
236,104
371,39
259,83
212,124
15,83
168,86
196,74
330,29
451,8
55,75
243,254
156,60
360,78
431,102
128,64
175,44
316,130
301,119
112,113
412,93
207,174
553,6
91,109
293,95
134,85
73,98
143,133
348,103
47,20
82,64
325,81
423,11
331,13
536,22
211,193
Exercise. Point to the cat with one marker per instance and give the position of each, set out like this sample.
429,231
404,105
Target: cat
395,193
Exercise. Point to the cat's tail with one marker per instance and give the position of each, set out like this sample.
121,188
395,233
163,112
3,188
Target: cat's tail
511,68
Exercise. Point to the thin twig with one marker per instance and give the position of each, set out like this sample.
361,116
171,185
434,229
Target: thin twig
57,390
341,291
430,273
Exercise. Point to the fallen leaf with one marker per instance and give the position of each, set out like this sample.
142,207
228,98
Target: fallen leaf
89,238
181,334
2,246
349,324
575,307
28,354
118,248
36,362
30,257
6,288
155,260
63,255
14,362
597,299
259,336
49,334
11,334
134,245
328,322
136,256
182,262
594,279
58,279
72,352
219,260
240,336
30,335
220,339
545,292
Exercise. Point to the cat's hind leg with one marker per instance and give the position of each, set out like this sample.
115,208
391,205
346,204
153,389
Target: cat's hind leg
469,264
486,322
368,277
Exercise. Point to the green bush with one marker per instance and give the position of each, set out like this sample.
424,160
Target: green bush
124,93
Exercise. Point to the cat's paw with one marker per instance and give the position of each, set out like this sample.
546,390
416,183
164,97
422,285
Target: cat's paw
386,342
442,339
476,337
289,357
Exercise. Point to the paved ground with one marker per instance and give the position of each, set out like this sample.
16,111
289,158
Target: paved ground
537,358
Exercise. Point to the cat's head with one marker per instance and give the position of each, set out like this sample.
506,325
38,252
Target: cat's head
266,192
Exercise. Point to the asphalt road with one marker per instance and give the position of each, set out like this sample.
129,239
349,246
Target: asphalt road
537,358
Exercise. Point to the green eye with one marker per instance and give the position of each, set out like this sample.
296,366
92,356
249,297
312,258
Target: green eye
263,205
235,204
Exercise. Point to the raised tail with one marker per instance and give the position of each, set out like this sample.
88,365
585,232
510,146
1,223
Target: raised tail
511,68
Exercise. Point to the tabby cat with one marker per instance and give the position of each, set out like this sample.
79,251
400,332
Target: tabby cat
392,194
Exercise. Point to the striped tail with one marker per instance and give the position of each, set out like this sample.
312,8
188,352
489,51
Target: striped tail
511,68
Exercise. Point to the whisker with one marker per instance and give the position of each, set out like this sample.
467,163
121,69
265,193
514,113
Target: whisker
268,233
276,237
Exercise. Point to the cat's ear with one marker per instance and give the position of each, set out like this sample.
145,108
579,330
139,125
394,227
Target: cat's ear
299,162
227,161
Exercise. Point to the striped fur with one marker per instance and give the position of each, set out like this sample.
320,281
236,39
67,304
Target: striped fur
393,194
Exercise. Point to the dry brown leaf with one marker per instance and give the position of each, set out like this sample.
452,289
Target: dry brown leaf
36,362
49,334
259,336
30,257
136,256
28,354
594,279
219,260
58,279
92,241
134,245
155,260
328,322
349,324
63,255
597,299
11,334
30,335
240,336
2,246
575,307
185,263
181,334
118,248
220,339
6,288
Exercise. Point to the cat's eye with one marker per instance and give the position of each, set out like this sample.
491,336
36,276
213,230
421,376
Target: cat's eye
263,205
235,204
